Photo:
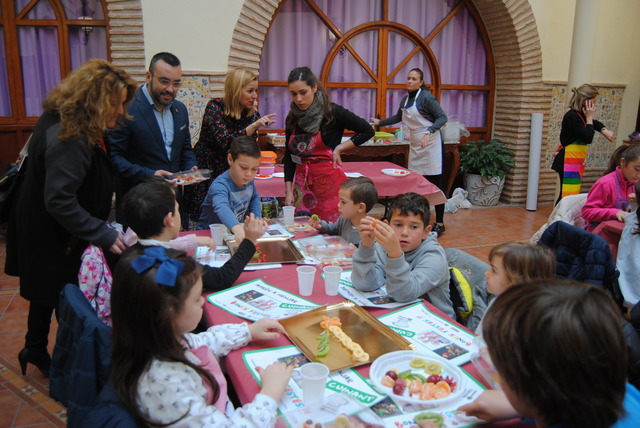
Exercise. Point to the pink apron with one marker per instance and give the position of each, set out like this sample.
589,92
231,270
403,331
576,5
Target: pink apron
317,182
210,363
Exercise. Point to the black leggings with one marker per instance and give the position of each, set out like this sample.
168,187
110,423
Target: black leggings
437,180
38,326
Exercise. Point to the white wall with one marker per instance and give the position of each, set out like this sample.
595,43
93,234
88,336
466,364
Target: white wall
615,51
199,33
196,31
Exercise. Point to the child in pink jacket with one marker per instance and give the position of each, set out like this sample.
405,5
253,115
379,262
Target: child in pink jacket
608,199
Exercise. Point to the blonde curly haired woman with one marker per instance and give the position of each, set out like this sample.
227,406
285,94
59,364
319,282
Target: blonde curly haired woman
65,197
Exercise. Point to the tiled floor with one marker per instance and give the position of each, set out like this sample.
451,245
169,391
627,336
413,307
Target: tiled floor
24,400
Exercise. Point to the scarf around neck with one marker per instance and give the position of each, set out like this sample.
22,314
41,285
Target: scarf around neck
309,120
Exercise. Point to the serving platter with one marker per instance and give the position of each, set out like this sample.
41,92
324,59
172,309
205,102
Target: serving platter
186,178
375,338
278,249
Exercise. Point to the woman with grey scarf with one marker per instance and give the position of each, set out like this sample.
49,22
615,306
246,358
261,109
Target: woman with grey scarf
314,127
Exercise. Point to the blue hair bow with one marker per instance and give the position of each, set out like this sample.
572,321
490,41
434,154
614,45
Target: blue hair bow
169,268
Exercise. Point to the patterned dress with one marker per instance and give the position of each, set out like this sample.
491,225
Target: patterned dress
216,135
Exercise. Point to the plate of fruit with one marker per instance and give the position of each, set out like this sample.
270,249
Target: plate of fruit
414,377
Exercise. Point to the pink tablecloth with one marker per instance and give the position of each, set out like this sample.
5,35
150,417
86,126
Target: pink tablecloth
386,185
286,279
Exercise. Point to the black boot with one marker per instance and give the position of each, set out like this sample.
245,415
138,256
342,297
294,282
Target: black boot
41,360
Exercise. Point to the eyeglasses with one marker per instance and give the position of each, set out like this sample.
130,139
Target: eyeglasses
166,82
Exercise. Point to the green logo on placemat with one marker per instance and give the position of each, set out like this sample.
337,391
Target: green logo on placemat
401,332
359,395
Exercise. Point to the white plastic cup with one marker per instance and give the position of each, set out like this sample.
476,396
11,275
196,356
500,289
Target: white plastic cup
217,232
332,279
306,275
287,215
314,381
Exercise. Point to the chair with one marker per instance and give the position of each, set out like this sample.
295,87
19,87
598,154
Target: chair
81,356
469,300
109,412
568,210
582,256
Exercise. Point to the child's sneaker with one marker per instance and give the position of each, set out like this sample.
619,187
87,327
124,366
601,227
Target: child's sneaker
635,136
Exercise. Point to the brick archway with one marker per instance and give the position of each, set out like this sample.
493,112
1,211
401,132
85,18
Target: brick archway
518,60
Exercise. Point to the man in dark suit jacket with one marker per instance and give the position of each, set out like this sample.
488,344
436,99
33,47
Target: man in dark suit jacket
156,139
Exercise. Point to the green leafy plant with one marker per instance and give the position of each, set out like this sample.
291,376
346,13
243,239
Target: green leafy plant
487,159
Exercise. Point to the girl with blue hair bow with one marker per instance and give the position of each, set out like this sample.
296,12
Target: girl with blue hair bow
162,373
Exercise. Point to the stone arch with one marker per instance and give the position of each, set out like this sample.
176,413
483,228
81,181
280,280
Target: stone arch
518,62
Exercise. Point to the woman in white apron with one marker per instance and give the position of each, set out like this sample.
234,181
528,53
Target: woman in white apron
423,116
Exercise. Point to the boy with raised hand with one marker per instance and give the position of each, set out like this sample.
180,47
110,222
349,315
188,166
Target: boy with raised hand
151,210
403,254
357,198
233,195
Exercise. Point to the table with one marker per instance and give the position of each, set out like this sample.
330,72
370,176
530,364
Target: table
394,150
286,279
387,186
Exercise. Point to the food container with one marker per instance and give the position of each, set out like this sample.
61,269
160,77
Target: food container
482,361
329,250
267,163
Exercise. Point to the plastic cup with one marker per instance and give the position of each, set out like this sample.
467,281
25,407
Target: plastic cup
314,380
331,279
217,232
287,215
306,275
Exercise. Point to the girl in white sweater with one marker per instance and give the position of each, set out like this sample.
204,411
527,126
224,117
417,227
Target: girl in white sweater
162,373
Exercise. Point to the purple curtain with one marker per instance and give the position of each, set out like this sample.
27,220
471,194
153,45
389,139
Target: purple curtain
5,103
458,50
39,50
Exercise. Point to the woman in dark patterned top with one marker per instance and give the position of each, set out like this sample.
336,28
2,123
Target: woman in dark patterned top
225,119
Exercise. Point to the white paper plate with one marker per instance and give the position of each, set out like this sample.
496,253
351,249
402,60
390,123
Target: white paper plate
278,174
267,176
396,172
353,174
400,360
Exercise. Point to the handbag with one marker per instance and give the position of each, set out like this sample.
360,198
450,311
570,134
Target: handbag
9,184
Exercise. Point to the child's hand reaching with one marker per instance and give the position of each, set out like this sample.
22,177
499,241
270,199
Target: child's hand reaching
366,231
254,227
238,232
274,379
206,241
490,406
315,222
387,238
266,328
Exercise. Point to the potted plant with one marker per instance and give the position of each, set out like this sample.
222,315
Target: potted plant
485,166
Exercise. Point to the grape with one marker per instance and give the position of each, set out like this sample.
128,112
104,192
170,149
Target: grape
399,387
434,378
392,374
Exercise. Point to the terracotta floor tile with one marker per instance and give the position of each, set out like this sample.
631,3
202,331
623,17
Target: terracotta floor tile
9,403
28,416
13,322
18,304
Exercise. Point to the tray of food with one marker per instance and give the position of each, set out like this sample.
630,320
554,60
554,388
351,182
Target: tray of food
186,178
300,224
278,249
342,335
417,377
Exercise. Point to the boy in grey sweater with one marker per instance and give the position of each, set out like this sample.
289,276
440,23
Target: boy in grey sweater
403,254
357,197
